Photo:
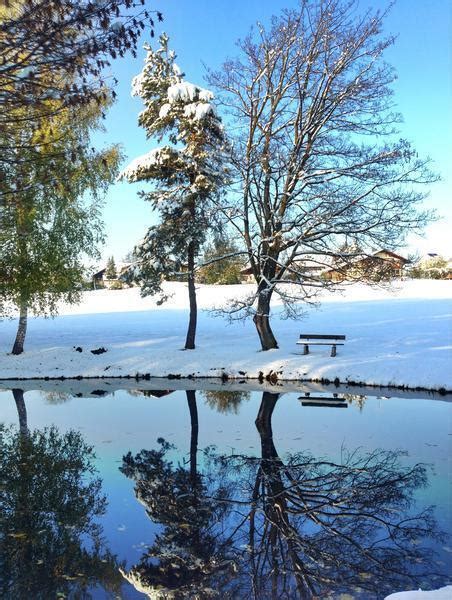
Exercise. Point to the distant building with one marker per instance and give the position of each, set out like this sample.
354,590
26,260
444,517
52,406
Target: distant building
383,264
100,281
246,275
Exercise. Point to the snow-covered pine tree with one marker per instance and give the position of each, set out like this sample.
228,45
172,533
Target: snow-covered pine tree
187,172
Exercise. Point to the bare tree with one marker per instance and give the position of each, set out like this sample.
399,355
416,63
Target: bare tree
42,38
320,172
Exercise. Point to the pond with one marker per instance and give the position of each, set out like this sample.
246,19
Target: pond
222,492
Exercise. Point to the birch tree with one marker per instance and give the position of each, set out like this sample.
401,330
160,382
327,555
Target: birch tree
52,220
186,172
318,162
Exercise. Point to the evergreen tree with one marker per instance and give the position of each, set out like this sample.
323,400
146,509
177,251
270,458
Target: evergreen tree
186,172
222,262
110,271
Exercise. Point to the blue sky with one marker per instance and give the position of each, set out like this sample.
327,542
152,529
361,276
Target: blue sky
204,32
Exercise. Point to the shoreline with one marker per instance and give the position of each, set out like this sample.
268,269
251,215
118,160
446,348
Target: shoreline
233,383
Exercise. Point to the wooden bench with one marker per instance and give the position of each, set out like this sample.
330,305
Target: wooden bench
314,339
333,401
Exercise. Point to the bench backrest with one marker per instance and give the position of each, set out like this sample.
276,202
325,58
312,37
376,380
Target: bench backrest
316,336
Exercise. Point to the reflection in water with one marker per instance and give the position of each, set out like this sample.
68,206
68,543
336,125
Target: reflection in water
302,527
51,546
225,401
190,551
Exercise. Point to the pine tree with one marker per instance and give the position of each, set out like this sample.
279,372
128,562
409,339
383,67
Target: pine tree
110,271
222,262
186,173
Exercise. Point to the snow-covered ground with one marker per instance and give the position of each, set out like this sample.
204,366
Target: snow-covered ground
394,337
444,593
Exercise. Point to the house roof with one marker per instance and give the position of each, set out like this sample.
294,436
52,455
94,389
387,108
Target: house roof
393,254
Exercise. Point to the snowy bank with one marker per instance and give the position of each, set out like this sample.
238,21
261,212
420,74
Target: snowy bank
444,593
398,337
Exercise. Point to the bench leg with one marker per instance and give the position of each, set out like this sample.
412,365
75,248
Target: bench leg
333,350
306,349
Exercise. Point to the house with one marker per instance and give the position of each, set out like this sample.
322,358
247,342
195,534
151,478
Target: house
100,281
383,264
310,266
246,275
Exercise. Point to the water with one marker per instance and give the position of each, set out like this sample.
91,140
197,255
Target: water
180,494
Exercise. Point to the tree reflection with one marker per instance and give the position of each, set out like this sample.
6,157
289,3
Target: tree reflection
302,527
189,550
51,545
225,401
317,526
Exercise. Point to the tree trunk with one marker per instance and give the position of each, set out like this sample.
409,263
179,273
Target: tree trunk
21,411
276,510
191,333
191,399
264,425
18,347
262,321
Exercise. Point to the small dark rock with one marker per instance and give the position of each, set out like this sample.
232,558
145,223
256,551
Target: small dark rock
98,393
78,349
271,377
99,350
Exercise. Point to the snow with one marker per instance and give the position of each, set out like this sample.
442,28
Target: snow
202,110
444,593
182,91
154,157
205,95
188,92
397,337
163,113
176,70
198,110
